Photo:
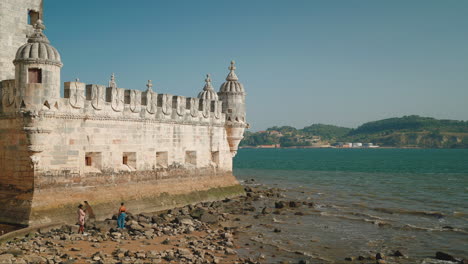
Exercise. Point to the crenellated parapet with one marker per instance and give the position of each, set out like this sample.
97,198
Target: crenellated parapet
98,100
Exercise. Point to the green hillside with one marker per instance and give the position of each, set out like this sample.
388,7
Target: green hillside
406,131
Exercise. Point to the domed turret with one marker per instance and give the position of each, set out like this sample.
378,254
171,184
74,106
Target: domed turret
232,94
37,72
38,49
208,92
232,83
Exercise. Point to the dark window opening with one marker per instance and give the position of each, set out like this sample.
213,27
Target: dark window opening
35,75
129,159
33,16
88,161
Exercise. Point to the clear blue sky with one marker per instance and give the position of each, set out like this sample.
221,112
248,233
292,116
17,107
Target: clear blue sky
301,62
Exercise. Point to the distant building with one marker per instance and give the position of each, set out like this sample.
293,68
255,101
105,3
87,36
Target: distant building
269,146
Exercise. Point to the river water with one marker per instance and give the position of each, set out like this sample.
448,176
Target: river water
367,200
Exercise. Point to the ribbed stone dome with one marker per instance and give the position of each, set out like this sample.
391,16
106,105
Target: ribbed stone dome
38,49
208,92
232,83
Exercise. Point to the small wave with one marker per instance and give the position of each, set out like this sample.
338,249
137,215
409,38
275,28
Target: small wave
409,212
460,214
437,229
378,222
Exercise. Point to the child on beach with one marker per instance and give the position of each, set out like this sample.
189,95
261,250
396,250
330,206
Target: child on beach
81,218
122,215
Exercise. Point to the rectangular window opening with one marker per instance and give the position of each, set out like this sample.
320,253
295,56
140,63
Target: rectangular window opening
88,161
191,158
93,161
33,16
34,75
161,159
215,157
129,159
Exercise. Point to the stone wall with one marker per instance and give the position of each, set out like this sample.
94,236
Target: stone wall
14,28
16,174
94,150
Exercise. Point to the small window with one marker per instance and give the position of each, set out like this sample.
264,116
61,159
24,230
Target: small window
35,75
161,159
191,158
33,16
215,157
129,159
93,161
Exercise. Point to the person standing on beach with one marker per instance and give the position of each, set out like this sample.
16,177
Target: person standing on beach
89,211
122,215
81,218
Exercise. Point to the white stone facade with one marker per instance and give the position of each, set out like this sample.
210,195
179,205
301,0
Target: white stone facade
99,138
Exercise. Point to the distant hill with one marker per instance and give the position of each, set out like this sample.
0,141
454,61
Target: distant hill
406,131
413,131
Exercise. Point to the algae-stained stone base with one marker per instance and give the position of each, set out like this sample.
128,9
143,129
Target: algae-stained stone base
60,205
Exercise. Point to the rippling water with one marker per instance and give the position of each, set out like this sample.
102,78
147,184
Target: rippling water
368,199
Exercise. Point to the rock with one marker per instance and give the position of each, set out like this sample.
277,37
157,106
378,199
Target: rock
302,261
14,252
293,204
230,251
20,261
197,213
279,205
75,249
266,210
166,241
397,253
277,230
209,218
33,259
444,256
141,255
381,261
298,213
379,256
186,221
6,258
350,258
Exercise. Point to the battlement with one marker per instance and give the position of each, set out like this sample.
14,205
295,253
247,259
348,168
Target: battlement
98,101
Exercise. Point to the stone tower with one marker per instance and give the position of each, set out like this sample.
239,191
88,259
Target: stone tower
16,20
232,94
37,72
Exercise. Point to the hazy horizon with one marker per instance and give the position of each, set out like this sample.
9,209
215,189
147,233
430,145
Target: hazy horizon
303,62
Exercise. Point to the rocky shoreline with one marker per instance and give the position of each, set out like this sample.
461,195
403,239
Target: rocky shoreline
211,232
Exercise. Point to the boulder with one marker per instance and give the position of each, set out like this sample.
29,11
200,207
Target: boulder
279,205
209,218
444,256
197,213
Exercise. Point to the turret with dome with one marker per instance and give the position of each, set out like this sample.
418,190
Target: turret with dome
232,94
37,72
